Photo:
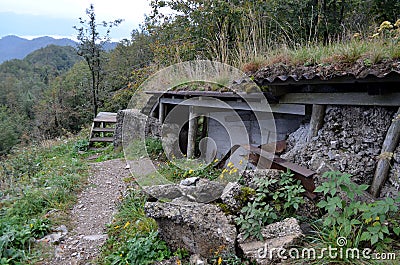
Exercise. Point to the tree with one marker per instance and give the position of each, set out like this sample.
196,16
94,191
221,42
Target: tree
91,48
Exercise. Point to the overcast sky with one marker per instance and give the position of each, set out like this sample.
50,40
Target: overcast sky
57,17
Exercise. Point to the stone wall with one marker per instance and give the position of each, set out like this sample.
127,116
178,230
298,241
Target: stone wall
349,141
135,121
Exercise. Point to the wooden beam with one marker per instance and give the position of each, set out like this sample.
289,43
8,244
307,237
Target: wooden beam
255,106
317,120
389,145
192,133
355,99
161,112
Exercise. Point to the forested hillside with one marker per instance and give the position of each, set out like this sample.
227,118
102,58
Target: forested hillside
49,92
24,86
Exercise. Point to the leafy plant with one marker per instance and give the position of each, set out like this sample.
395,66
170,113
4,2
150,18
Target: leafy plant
39,227
81,145
130,230
352,219
274,200
182,168
141,249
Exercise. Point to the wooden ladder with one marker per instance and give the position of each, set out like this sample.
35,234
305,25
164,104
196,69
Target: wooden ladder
103,128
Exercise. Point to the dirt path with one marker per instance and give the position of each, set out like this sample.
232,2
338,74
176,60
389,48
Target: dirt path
94,210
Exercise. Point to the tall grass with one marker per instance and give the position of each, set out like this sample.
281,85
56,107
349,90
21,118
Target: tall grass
36,182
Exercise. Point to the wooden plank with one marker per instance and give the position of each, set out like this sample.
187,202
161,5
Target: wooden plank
317,120
102,139
389,145
356,99
110,117
284,163
161,112
214,94
97,129
257,107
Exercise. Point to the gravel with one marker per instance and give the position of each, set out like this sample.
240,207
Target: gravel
96,205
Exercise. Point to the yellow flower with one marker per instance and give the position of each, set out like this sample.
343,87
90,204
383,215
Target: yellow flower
240,162
221,176
385,25
31,225
230,164
178,262
127,224
375,35
116,227
216,160
224,171
219,261
190,171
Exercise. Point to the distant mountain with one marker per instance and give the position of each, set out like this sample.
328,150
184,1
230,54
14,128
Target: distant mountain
13,47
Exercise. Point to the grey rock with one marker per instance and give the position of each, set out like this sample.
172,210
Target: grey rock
229,196
348,130
95,237
203,191
189,181
54,238
196,227
197,260
169,191
62,228
278,235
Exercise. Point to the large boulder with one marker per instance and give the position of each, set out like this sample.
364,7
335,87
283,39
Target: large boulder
199,228
277,237
191,190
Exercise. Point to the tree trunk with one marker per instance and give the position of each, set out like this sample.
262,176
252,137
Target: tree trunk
383,166
317,120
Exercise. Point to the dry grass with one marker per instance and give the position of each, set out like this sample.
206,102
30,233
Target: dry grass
372,51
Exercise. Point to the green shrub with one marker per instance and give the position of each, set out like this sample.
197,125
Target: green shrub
141,249
363,224
182,168
274,200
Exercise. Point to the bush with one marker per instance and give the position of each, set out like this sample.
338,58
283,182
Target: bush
363,224
141,249
274,200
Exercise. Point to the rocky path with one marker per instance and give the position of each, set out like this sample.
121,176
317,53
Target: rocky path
94,210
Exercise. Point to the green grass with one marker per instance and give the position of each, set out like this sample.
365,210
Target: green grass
132,237
34,182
